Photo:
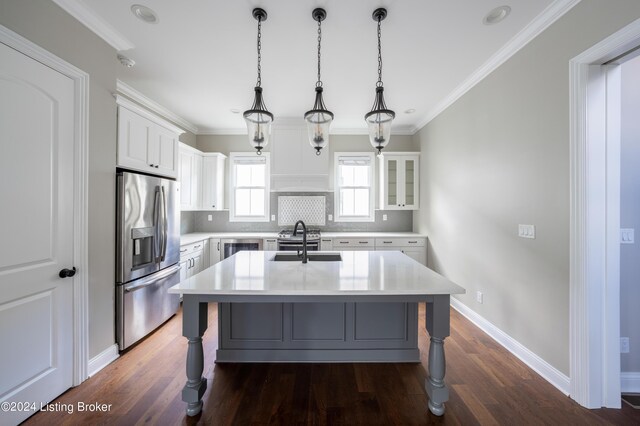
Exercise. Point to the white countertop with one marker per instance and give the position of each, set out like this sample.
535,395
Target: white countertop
199,236
372,235
359,273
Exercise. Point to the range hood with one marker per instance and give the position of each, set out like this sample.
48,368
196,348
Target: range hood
295,167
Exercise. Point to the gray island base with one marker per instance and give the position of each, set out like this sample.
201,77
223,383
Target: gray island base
362,309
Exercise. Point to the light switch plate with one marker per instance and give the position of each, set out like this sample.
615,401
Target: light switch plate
479,297
273,217
210,217
626,236
330,217
384,217
526,231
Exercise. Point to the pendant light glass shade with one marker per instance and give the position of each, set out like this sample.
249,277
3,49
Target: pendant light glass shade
258,121
380,118
319,118
379,122
258,118
318,123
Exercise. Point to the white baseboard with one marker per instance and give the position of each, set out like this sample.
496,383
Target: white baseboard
630,382
103,359
537,364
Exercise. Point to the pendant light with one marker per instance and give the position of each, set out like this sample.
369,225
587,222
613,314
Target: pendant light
319,118
379,119
258,118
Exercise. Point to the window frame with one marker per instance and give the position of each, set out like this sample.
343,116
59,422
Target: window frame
372,187
233,157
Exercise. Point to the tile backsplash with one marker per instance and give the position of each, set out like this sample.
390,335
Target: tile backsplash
397,221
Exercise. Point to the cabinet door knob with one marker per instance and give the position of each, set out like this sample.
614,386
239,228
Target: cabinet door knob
214,206
156,166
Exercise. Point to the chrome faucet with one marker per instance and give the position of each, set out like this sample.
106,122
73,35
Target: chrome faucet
304,239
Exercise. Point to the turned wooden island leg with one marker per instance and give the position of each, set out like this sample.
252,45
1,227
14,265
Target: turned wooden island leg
194,324
437,321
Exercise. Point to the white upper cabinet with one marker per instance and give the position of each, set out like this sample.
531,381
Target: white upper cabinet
399,181
201,178
295,165
213,181
189,177
146,142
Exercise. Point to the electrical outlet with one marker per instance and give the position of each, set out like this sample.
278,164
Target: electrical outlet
273,217
210,217
526,231
384,217
330,217
624,345
479,297
626,236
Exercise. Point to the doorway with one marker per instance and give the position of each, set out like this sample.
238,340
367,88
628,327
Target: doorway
595,90
43,261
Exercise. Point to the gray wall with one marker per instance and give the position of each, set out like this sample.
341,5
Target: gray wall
396,220
45,24
630,214
499,157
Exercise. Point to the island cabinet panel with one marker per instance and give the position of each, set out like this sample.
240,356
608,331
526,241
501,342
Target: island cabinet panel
318,321
317,332
255,322
381,321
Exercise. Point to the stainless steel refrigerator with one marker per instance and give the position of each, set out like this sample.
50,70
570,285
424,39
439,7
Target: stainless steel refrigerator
147,254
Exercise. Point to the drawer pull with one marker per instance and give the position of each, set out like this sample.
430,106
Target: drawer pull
387,242
195,247
344,242
363,242
182,251
413,242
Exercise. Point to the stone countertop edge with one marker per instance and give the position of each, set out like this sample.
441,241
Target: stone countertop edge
199,236
381,273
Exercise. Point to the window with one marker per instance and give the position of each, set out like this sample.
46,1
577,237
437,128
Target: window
354,196
249,187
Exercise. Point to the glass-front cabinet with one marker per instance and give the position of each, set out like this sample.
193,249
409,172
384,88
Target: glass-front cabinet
399,181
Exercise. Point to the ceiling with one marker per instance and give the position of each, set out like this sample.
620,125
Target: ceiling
199,60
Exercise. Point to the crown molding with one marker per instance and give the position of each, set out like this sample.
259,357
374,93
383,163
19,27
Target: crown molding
95,23
551,14
135,107
131,93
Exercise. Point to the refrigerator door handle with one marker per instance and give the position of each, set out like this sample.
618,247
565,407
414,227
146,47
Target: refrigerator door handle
156,223
165,225
144,282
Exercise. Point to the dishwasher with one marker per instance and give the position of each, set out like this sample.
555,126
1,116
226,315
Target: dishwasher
232,246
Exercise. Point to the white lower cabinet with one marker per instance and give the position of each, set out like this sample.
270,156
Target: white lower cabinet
353,244
326,244
415,248
215,253
270,244
193,259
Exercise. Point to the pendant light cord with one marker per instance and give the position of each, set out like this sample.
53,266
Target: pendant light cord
379,83
319,82
259,48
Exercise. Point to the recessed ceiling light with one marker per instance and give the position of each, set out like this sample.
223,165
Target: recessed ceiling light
235,111
409,111
496,15
127,62
144,14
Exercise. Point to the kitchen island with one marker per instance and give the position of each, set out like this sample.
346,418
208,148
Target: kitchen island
361,308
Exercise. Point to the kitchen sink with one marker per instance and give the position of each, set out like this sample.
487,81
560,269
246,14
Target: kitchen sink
311,257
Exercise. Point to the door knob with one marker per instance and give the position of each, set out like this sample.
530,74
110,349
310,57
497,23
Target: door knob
67,273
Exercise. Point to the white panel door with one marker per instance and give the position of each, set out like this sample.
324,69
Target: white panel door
36,225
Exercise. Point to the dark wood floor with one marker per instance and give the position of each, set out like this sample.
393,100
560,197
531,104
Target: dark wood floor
488,386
